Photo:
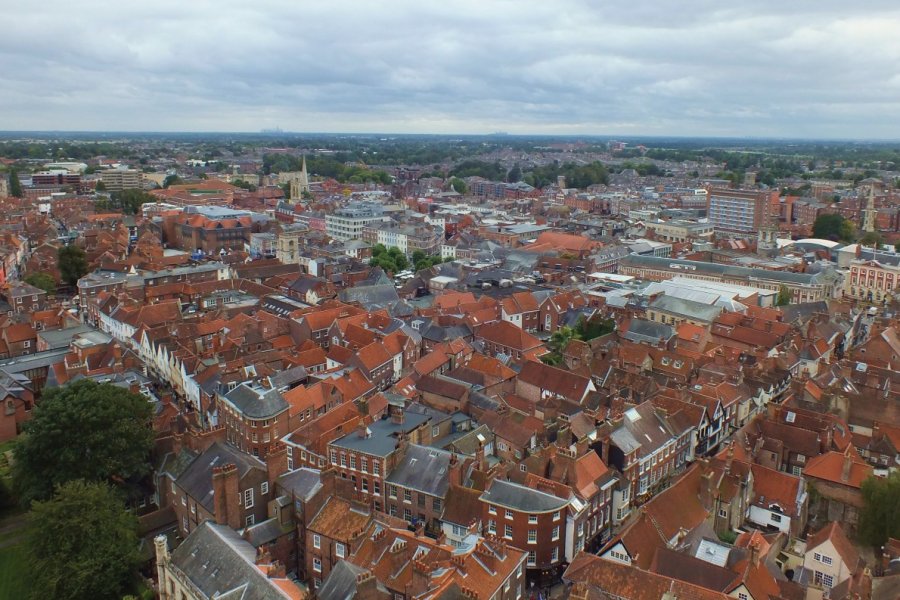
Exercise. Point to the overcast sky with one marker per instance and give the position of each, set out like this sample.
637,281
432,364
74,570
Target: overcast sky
790,68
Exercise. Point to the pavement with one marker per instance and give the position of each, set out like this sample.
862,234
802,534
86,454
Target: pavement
12,530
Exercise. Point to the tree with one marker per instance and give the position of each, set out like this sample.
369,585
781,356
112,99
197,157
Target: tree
879,518
44,281
15,186
72,263
130,201
172,180
101,187
897,247
558,342
458,185
515,174
872,238
784,296
82,544
85,430
833,227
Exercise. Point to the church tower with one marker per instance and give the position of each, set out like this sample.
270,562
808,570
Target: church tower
870,212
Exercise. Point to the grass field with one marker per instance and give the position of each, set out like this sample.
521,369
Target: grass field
13,569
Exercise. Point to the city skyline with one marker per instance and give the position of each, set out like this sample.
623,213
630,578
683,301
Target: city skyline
811,72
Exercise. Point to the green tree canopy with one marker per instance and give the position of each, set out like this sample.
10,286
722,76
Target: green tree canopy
15,186
880,515
172,180
459,186
72,263
85,430
44,281
784,296
871,238
392,260
833,227
100,187
82,544
130,201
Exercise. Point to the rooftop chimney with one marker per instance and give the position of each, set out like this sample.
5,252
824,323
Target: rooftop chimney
845,470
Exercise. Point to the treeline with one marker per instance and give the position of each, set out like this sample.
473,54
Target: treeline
577,176
331,167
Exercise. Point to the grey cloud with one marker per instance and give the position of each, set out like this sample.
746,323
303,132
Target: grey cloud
693,68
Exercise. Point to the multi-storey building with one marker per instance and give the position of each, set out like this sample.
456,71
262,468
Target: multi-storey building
741,211
368,455
529,519
117,180
254,418
803,287
408,238
872,280
348,223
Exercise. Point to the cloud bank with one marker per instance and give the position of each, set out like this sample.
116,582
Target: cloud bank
787,69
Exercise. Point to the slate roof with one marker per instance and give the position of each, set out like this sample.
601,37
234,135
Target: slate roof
382,438
257,403
341,582
303,483
522,498
221,565
640,330
422,469
196,479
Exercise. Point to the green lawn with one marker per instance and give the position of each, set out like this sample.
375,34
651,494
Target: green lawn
13,573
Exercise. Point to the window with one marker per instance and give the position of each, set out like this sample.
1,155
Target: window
436,505
723,513
376,467
343,459
492,526
339,550
555,535
508,532
364,464
27,344
523,468
376,488
317,565
248,498
264,488
492,509
556,516
393,510
364,483
392,491
184,500
352,462
317,541
532,519
532,536
742,596
775,518
250,520
555,555
407,514
532,558
435,431
407,496
334,457
509,514
420,498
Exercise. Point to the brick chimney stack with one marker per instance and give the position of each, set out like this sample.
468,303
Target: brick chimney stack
225,501
276,463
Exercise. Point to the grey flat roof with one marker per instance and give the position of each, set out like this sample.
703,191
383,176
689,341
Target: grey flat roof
423,469
382,438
